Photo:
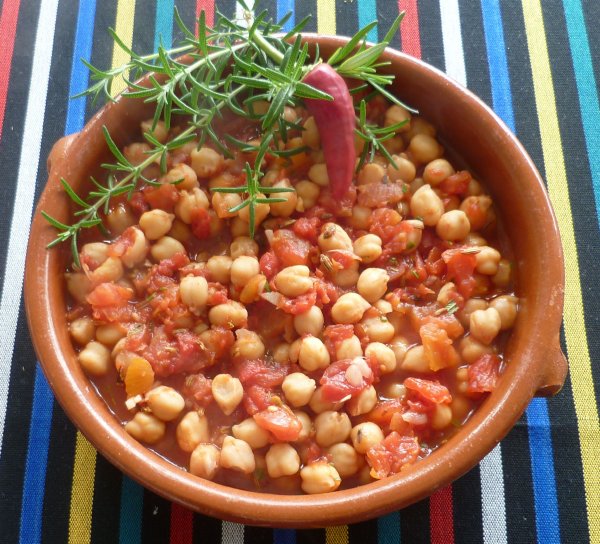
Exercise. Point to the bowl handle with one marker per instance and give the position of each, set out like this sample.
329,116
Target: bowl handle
59,150
555,372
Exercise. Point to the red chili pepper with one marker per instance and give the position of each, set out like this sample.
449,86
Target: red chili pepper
336,122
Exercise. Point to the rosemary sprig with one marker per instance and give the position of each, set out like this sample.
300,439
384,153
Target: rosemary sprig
228,68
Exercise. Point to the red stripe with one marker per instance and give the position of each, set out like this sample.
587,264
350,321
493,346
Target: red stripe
409,29
441,517
8,30
182,525
209,12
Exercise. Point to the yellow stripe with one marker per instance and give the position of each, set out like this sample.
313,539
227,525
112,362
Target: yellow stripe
336,535
82,492
124,29
326,17
574,323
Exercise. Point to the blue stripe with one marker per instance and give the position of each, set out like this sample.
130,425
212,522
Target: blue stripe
37,457
163,24
42,409
82,48
586,89
540,441
284,536
283,7
132,502
367,13
388,528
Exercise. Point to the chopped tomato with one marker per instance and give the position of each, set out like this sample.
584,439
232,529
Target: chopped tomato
110,302
169,266
377,195
218,341
333,335
290,249
384,411
299,304
200,223
327,292
164,197
256,398
138,203
392,455
340,208
336,385
429,390
217,294
260,372
461,270
421,315
269,264
456,184
197,388
307,228
122,243
280,421
483,374
438,348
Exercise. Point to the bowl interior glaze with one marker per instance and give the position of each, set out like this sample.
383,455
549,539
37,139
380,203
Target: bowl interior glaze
535,362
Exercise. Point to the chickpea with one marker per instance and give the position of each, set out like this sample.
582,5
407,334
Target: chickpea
310,135
485,324
345,459
487,260
437,171
82,330
110,270
404,170
313,354
282,460
396,114
248,345
399,345
110,333
253,289
307,426
119,218
427,205
180,231
470,306
372,284
260,212
165,403
95,252
318,404
378,329
309,322
461,407
442,417
249,431
445,295
193,291
192,430
287,208
368,247
160,131
349,308
243,246
293,281
319,477
156,223
394,390
230,314
506,306
204,461
334,237
365,435
308,193
243,269
363,403
477,209
502,277
349,348
348,277
136,153
370,173
95,358
184,175
474,239
424,148
281,353
453,225
188,202
219,268
317,173
361,217
206,162
227,392
146,428
471,349
332,427
223,202
165,248
237,455
415,360
385,356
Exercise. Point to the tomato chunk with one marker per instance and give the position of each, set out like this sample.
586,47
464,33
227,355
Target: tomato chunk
110,302
289,249
392,455
439,351
259,372
483,374
334,335
461,269
432,391
200,223
338,385
280,421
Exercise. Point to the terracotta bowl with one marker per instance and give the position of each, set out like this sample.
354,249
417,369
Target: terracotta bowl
536,365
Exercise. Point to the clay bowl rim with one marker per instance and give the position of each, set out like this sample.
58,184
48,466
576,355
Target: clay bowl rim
482,432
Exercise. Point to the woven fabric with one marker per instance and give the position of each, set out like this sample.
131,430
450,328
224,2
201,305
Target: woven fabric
536,63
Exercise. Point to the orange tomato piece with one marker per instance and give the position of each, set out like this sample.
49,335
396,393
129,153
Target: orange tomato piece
439,351
139,377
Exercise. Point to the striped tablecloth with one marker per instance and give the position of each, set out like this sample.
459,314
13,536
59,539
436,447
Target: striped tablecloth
536,62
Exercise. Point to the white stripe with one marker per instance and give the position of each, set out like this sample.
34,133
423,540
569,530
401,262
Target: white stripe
239,12
24,195
493,507
232,533
452,38
493,504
